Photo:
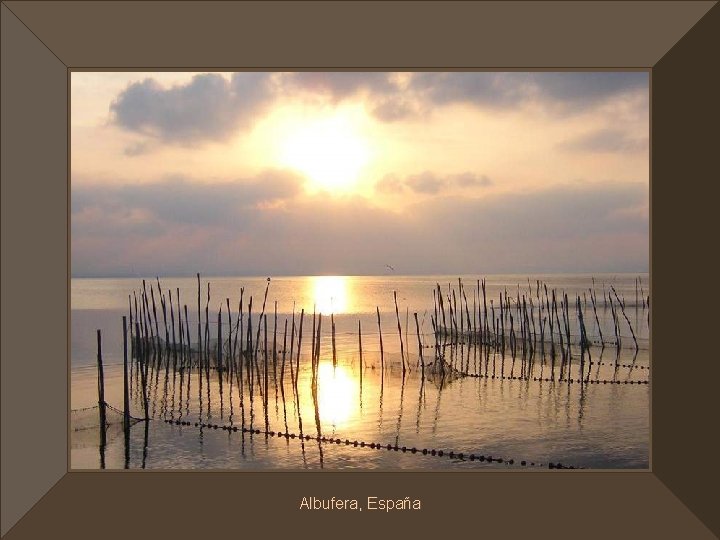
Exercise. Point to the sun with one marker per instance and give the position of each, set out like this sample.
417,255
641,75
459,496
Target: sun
330,294
330,151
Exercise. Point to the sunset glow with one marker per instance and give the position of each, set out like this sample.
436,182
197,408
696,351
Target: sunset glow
312,173
330,294
328,151
337,396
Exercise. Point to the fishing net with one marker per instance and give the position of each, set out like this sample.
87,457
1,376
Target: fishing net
85,425
89,418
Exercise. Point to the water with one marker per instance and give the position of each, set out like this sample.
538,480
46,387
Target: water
490,413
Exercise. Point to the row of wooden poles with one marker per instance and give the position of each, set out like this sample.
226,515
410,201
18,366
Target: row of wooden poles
512,323
452,322
238,355
143,366
492,325
509,324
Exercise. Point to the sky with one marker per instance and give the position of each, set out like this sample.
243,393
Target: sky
343,173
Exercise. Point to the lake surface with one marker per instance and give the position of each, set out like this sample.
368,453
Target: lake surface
462,396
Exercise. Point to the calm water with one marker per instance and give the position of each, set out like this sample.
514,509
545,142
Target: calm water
587,425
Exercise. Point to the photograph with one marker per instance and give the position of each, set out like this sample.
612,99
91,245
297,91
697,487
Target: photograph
359,270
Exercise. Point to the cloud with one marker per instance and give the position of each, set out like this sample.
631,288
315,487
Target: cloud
426,182
471,180
212,108
391,98
564,91
179,200
209,107
604,141
483,89
580,89
234,230
429,183
137,149
390,183
561,212
393,109
340,85
563,228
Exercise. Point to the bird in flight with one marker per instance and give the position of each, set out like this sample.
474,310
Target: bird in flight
390,267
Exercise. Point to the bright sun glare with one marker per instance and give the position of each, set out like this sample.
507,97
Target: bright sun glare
330,294
329,151
336,399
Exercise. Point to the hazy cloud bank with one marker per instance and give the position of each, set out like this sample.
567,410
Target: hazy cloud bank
240,229
605,141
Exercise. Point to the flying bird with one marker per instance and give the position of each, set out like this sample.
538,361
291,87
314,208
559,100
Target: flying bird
390,267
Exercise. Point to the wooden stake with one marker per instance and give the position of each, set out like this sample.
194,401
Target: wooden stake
361,356
126,386
402,349
219,359
382,353
332,325
297,367
420,349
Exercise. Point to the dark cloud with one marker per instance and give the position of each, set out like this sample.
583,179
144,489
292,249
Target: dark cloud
430,183
584,88
393,109
340,85
566,91
562,228
209,107
605,141
557,92
484,89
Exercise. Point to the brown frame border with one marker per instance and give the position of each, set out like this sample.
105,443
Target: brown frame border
37,54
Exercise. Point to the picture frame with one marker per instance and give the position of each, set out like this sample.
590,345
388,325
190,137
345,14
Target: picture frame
43,42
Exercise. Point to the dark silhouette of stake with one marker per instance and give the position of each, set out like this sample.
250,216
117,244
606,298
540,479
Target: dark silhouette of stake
126,395
402,349
199,330
219,359
332,327
420,348
622,309
101,399
361,356
231,352
126,387
382,352
300,332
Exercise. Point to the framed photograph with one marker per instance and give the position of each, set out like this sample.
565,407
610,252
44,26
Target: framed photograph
363,201
353,277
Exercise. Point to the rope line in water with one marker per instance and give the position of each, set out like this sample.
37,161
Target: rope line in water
502,377
123,413
542,379
362,444
84,409
618,365
115,409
